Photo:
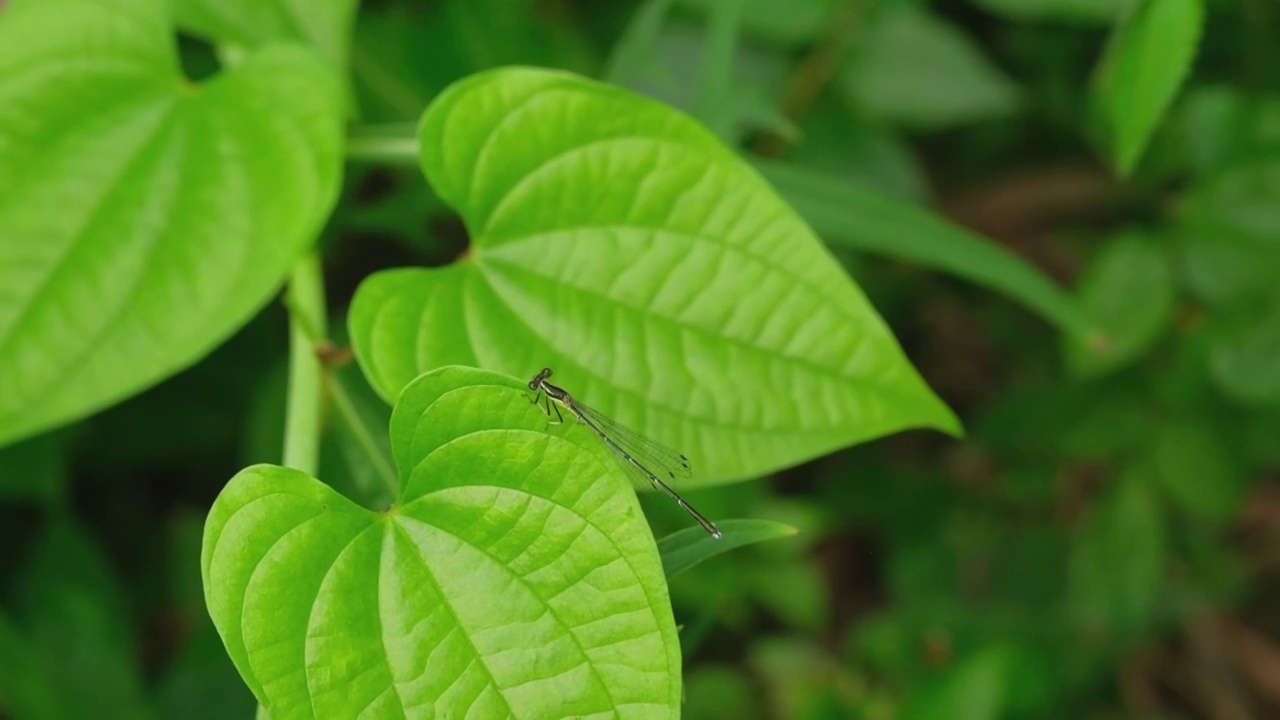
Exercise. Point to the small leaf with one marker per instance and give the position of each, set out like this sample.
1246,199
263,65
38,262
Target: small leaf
1128,290
975,689
910,66
685,548
1118,561
849,215
1148,57
1197,471
144,219
324,25
1230,233
514,575
1244,360
617,242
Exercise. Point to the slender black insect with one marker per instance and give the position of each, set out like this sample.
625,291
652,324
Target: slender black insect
642,458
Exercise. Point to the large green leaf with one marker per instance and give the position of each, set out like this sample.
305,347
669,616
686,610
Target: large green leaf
143,219
1128,289
514,576
849,214
324,25
617,242
1144,65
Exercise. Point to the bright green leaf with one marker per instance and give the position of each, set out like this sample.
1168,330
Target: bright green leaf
864,220
685,548
910,66
1118,560
617,242
1196,470
1128,290
324,25
144,219
73,612
515,574
1149,56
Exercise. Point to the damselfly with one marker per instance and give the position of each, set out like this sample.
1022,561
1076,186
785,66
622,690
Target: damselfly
643,459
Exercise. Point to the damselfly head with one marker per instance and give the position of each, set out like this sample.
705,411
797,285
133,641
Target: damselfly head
537,380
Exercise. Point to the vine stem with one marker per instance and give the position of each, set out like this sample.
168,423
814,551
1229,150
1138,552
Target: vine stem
303,412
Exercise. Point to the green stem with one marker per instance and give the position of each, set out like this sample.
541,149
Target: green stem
393,144
305,300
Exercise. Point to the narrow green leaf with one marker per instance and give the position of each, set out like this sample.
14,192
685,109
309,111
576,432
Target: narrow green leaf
847,214
515,574
685,548
715,80
1148,57
324,25
144,219
1128,289
912,67
617,242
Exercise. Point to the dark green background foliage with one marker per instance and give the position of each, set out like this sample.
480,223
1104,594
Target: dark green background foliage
966,310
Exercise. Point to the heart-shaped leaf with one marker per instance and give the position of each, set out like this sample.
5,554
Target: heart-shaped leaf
143,219
514,577
618,242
